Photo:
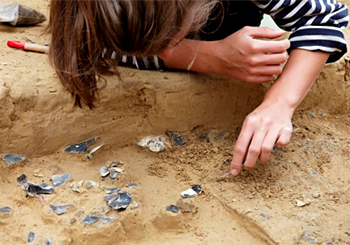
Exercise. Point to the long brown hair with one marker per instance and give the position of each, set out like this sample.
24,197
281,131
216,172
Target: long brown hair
82,29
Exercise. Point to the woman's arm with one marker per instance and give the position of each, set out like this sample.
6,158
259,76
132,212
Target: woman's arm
271,121
242,55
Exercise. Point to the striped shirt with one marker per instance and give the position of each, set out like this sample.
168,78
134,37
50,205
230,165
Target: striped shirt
316,25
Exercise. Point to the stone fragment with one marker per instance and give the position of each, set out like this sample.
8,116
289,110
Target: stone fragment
13,159
60,209
59,179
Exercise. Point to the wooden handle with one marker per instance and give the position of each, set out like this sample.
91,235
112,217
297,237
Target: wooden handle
36,48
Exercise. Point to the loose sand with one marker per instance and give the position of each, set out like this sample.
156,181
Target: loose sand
258,207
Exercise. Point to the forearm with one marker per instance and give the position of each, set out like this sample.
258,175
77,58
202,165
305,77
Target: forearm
193,55
298,76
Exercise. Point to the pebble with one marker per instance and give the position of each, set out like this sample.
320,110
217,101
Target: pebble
89,184
59,179
31,237
12,158
22,179
172,208
60,209
89,220
313,171
300,203
131,185
178,139
192,192
5,210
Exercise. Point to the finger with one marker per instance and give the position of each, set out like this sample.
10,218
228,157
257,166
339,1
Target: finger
241,147
255,149
285,135
265,70
272,59
271,47
264,32
268,145
257,79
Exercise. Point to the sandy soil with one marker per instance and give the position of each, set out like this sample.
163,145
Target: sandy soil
258,207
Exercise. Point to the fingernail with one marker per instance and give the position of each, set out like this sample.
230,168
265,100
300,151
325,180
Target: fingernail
234,172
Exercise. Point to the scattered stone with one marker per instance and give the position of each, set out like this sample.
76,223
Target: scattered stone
5,210
60,209
112,190
104,171
33,189
306,236
12,158
118,170
73,220
89,220
300,203
178,139
89,184
191,192
22,179
172,208
154,143
75,186
80,147
93,151
316,194
59,179
48,242
31,237
113,174
131,185
119,201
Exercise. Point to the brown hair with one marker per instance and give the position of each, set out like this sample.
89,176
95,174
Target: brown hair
82,29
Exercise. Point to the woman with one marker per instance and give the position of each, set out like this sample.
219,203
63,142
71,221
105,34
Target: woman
89,37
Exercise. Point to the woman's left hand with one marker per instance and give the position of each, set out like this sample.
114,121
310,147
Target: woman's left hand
267,125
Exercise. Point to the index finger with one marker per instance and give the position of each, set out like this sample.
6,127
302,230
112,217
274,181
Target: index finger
271,47
240,151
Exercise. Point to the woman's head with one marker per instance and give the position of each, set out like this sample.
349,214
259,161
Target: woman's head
82,29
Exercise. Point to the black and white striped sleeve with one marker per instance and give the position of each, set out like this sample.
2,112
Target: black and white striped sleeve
316,24
141,63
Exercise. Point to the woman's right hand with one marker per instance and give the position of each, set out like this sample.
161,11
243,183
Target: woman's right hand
244,56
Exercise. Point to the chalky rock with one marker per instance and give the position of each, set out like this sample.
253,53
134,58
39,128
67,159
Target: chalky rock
153,143
31,237
33,189
12,158
59,179
89,220
60,209
192,192
131,185
22,179
178,139
5,210
300,203
112,190
80,147
119,201
172,208
104,171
